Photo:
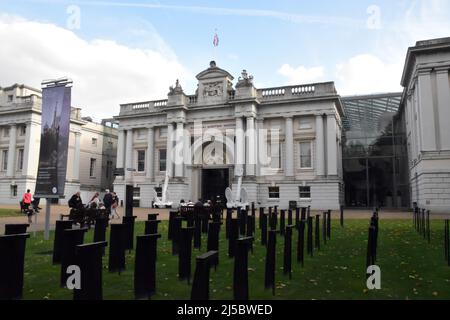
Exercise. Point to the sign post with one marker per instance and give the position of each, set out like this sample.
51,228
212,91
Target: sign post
55,130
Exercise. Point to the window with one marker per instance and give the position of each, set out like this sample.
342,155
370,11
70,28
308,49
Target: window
140,134
4,160
94,142
163,132
274,192
23,131
20,159
6,132
10,98
305,124
108,169
162,159
136,197
304,192
158,191
275,155
13,191
141,160
92,168
305,155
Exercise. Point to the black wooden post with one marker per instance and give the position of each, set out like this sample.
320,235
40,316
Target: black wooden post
423,224
242,216
176,227
204,214
200,285
71,239
151,226
264,229
342,215
234,234
11,229
297,217
282,222
303,217
213,239
129,222
228,218
309,238
317,232
117,249
371,247
197,230
269,279
261,212
301,243
240,274
329,224
152,216
428,227
287,265
145,265
89,259
184,258
100,231
324,227
60,226
12,255
447,241
172,215
289,222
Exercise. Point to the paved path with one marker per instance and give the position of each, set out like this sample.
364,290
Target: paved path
141,213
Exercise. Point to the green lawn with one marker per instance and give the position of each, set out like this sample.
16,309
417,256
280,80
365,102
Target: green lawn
10,213
411,268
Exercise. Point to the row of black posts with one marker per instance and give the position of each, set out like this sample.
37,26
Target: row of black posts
372,243
421,222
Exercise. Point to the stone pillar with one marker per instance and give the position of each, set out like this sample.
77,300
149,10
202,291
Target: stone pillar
178,155
320,146
331,145
150,154
12,151
120,150
289,144
443,107
76,158
129,154
169,161
427,113
261,142
240,146
251,147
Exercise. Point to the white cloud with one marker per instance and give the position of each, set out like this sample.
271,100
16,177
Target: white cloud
301,74
366,73
104,72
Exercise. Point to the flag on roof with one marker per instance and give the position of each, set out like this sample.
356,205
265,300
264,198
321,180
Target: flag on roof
216,40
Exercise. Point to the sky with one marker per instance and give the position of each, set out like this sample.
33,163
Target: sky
119,52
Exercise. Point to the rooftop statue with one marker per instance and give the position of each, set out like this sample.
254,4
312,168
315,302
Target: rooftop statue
177,90
245,80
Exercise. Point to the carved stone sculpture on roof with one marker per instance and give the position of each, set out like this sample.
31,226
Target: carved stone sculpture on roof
177,90
245,80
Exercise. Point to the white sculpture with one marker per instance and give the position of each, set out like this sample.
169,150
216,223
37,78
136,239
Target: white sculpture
240,199
163,202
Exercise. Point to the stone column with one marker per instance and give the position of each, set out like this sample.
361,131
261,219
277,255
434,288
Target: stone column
76,159
289,145
251,147
178,155
443,107
320,146
150,154
120,150
169,161
240,146
129,154
331,145
12,151
261,153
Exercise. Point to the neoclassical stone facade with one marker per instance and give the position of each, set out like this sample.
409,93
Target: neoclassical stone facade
425,111
204,141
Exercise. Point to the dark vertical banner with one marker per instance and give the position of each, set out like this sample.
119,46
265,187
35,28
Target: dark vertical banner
51,178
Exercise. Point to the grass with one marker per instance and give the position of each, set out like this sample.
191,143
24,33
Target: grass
10,213
411,268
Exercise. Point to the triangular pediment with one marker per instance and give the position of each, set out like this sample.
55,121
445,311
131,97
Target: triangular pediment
214,72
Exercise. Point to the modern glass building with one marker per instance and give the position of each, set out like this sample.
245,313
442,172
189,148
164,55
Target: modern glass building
374,152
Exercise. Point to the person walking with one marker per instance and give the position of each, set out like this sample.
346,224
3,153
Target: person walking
114,206
26,199
108,201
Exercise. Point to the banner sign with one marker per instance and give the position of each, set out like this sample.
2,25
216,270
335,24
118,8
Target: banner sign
51,178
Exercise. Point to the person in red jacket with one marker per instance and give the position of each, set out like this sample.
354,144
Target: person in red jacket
26,198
